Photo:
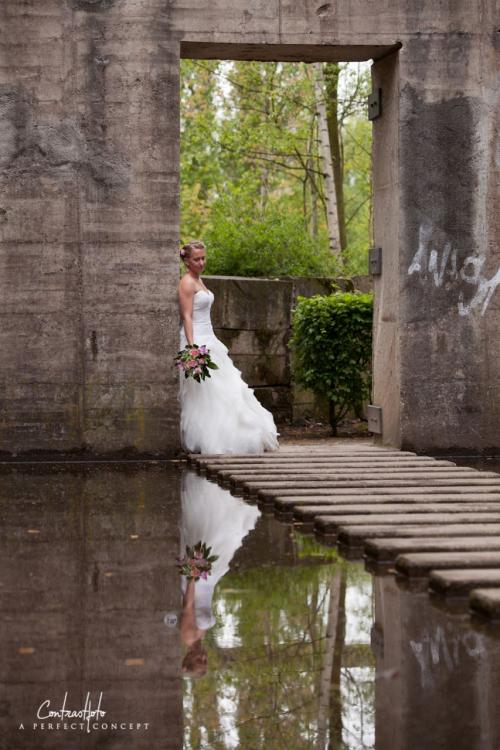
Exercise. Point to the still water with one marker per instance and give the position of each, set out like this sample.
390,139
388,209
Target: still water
285,645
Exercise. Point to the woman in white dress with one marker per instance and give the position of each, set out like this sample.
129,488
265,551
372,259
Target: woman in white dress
221,414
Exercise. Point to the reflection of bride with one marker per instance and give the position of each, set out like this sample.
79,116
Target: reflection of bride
212,515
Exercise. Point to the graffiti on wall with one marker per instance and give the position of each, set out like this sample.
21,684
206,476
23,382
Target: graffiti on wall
440,265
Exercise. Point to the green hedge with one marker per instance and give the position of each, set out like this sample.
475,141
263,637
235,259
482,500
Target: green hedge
332,346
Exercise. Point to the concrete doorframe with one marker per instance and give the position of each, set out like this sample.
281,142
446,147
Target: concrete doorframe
385,168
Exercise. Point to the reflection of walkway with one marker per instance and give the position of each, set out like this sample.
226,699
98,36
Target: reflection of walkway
354,491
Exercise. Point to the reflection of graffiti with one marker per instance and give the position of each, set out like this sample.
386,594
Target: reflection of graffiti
441,265
437,650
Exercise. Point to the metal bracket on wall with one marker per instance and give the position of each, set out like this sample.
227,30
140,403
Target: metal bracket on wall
375,261
375,104
375,419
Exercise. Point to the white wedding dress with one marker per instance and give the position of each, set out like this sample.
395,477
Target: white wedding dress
221,414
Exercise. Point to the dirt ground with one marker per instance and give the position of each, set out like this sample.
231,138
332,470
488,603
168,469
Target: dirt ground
311,430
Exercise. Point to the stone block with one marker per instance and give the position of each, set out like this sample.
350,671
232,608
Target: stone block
246,303
459,583
420,564
386,550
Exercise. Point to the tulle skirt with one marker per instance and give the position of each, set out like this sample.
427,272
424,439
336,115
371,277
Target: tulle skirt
221,414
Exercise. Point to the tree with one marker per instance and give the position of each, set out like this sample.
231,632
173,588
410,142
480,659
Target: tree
332,218
251,150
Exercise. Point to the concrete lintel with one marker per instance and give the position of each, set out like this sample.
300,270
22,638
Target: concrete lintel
321,52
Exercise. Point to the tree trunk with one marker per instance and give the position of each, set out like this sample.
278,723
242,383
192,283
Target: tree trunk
331,75
325,684
335,694
332,417
324,140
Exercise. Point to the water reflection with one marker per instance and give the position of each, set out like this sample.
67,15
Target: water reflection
219,520
289,655
87,571
293,647
439,685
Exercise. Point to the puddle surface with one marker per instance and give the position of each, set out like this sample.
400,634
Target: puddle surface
285,645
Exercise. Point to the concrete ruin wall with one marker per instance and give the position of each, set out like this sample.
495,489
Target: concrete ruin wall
89,103
253,317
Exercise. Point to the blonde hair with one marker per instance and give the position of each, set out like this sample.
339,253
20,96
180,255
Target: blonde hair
187,249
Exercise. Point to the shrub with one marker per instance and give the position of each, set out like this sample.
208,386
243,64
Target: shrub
242,242
332,345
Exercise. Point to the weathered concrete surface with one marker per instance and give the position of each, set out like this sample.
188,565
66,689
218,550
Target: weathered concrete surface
332,522
312,467
89,146
89,206
389,500
303,478
486,602
459,583
387,550
271,489
310,511
421,564
266,498
355,536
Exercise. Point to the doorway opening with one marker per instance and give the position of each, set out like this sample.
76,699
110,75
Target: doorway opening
255,187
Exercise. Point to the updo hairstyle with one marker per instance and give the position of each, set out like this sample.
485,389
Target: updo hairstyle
186,250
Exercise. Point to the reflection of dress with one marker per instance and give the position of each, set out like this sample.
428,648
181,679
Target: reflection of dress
212,515
220,414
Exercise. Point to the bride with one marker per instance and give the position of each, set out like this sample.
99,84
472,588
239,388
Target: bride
220,414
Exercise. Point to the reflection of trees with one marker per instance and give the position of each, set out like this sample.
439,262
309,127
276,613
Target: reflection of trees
277,662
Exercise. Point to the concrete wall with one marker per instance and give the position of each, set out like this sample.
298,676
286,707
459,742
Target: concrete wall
253,318
89,209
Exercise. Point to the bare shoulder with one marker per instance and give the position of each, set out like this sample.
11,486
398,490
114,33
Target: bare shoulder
187,285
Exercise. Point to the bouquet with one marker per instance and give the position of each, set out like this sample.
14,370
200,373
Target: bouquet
195,362
197,562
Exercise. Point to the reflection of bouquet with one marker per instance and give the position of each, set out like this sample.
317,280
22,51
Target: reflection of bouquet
195,362
197,562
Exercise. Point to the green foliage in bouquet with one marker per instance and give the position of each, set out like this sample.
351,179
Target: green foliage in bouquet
197,562
195,362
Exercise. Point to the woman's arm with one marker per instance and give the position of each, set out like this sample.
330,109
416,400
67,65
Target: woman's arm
189,629
186,297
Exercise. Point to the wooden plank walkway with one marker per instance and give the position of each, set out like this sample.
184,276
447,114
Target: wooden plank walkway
425,518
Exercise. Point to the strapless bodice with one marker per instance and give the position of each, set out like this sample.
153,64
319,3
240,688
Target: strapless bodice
202,324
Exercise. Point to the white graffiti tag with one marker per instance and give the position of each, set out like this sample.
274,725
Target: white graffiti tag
441,265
